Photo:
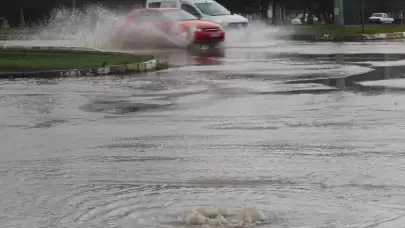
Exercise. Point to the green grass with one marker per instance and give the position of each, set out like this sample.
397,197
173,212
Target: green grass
36,60
338,31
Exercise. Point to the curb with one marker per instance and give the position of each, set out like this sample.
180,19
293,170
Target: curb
379,36
151,65
4,37
50,48
18,34
355,37
147,66
14,37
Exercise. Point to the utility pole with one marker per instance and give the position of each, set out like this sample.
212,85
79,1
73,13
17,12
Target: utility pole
22,20
338,12
362,16
73,5
273,10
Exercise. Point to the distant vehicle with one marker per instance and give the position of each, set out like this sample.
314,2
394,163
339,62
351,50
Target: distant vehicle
4,23
380,18
297,19
208,10
167,26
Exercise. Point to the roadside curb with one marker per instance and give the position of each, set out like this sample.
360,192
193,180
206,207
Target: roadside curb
4,37
14,37
348,38
379,36
19,34
6,47
147,66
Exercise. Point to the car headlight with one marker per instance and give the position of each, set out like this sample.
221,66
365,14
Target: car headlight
194,29
221,23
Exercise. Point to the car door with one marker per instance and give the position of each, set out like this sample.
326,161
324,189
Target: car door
388,19
384,18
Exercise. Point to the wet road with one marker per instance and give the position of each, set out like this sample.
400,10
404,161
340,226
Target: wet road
283,135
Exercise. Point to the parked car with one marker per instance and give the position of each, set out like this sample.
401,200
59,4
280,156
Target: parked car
380,18
159,27
4,23
208,10
298,19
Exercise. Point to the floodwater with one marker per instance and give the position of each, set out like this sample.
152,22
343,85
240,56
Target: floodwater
284,135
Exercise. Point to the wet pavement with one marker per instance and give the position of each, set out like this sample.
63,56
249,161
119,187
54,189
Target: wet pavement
288,134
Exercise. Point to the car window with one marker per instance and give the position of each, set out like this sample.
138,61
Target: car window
191,10
146,15
179,15
377,15
212,9
155,5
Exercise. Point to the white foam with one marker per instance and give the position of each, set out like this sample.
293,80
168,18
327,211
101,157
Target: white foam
397,83
221,217
386,63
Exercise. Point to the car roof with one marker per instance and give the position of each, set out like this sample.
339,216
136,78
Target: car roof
152,9
200,1
155,9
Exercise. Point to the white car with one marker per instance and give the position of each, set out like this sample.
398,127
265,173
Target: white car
208,10
297,19
380,18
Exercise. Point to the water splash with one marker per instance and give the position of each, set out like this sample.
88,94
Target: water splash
96,27
86,28
257,34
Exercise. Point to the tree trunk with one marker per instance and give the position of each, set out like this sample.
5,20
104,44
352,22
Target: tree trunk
273,9
303,15
264,7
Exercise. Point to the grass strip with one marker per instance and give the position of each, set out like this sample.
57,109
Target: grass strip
37,61
339,31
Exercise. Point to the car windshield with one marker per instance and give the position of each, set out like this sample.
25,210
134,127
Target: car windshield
179,15
212,9
377,14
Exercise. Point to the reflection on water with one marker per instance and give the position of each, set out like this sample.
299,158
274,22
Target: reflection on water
239,138
376,72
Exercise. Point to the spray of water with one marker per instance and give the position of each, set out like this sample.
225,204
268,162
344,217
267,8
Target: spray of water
96,27
257,34
77,28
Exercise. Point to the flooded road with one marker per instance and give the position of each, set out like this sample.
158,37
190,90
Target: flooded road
283,135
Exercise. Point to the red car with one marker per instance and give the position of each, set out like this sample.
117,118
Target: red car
159,27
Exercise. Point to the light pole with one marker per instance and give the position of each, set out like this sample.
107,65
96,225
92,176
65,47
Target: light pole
362,16
73,5
339,12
